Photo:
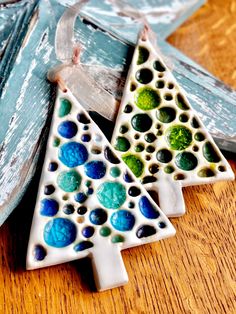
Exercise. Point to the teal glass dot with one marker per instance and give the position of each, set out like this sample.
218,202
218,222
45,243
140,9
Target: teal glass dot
69,181
115,172
111,195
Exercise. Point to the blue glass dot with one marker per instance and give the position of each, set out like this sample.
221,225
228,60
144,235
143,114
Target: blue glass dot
73,154
85,138
90,191
84,245
88,232
147,208
68,209
95,169
127,177
80,197
52,166
86,127
39,252
98,216
49,207
123,220
67,129
111,195
60,232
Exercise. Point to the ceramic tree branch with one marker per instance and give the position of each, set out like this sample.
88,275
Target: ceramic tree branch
88,202
159,135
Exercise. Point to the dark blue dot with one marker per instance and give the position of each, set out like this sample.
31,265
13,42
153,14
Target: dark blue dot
82,118
52,166
67,129
49,189
90,191
98,216
95,169
85,138
49,207
162,224
148,209
73,154
68,209
123,220
84,245
86,127
80,197
87,232
60,232
131,205
39,252
127,177
82,210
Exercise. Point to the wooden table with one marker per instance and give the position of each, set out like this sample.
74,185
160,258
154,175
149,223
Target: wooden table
193,272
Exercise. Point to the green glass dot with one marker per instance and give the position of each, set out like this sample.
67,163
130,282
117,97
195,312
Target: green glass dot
199,137
150,149
69,181
65,107
139,148
111,195
209,153
181,102
56,142
143,55
115,172
194,123
144,76
159,66
122,144
178,137
146,98
88,183
186,161
160,84
164,155
166,114
105,231
179,176
123,129
150,137
205,173
141,122
117,238
183,118
169,169
135,164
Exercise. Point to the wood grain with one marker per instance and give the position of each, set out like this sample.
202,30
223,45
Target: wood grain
193,272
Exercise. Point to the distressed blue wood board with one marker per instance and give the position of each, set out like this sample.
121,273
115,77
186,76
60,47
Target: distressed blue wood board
27,97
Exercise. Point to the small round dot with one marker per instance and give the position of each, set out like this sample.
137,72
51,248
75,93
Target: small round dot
82,118
39,252
199,137
131,205
150,137
144,76
170,86
221,168
159,133
105,231
67,129
97,138
133,87
183,118
115,172
150,149
162,224
56,142
85,137
158,126
98,216
65,197
160,84
169,169
127,178
179,176
158,66
80,197
90,191
139,148
85,128
195,148
49,189
88,183
52,166
80,220
147,157
160,75
96,150
134,191
82,210
123,129
128,109
136,136
168,97
88,232
68,209
153,168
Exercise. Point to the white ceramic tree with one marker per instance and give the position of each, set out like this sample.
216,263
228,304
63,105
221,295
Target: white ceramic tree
88,204
159,135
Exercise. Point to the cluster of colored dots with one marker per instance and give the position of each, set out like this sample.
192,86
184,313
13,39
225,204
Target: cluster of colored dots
112,195
169,109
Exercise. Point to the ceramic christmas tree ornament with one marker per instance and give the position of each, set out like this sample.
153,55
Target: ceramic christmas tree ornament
89,203
159,135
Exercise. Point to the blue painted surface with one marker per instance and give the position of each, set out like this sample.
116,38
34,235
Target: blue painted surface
24,112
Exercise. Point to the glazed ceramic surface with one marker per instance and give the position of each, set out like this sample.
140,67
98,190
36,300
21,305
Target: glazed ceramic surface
88,201
159,135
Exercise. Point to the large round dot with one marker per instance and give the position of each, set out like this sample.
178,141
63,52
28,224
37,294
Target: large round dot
69,181
122,220
111,194
49,207
178,137
59,232
164,155
147,98
141,122
166,114
67,129
73,154
186,161
135,164
98,216
144,76
95,169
